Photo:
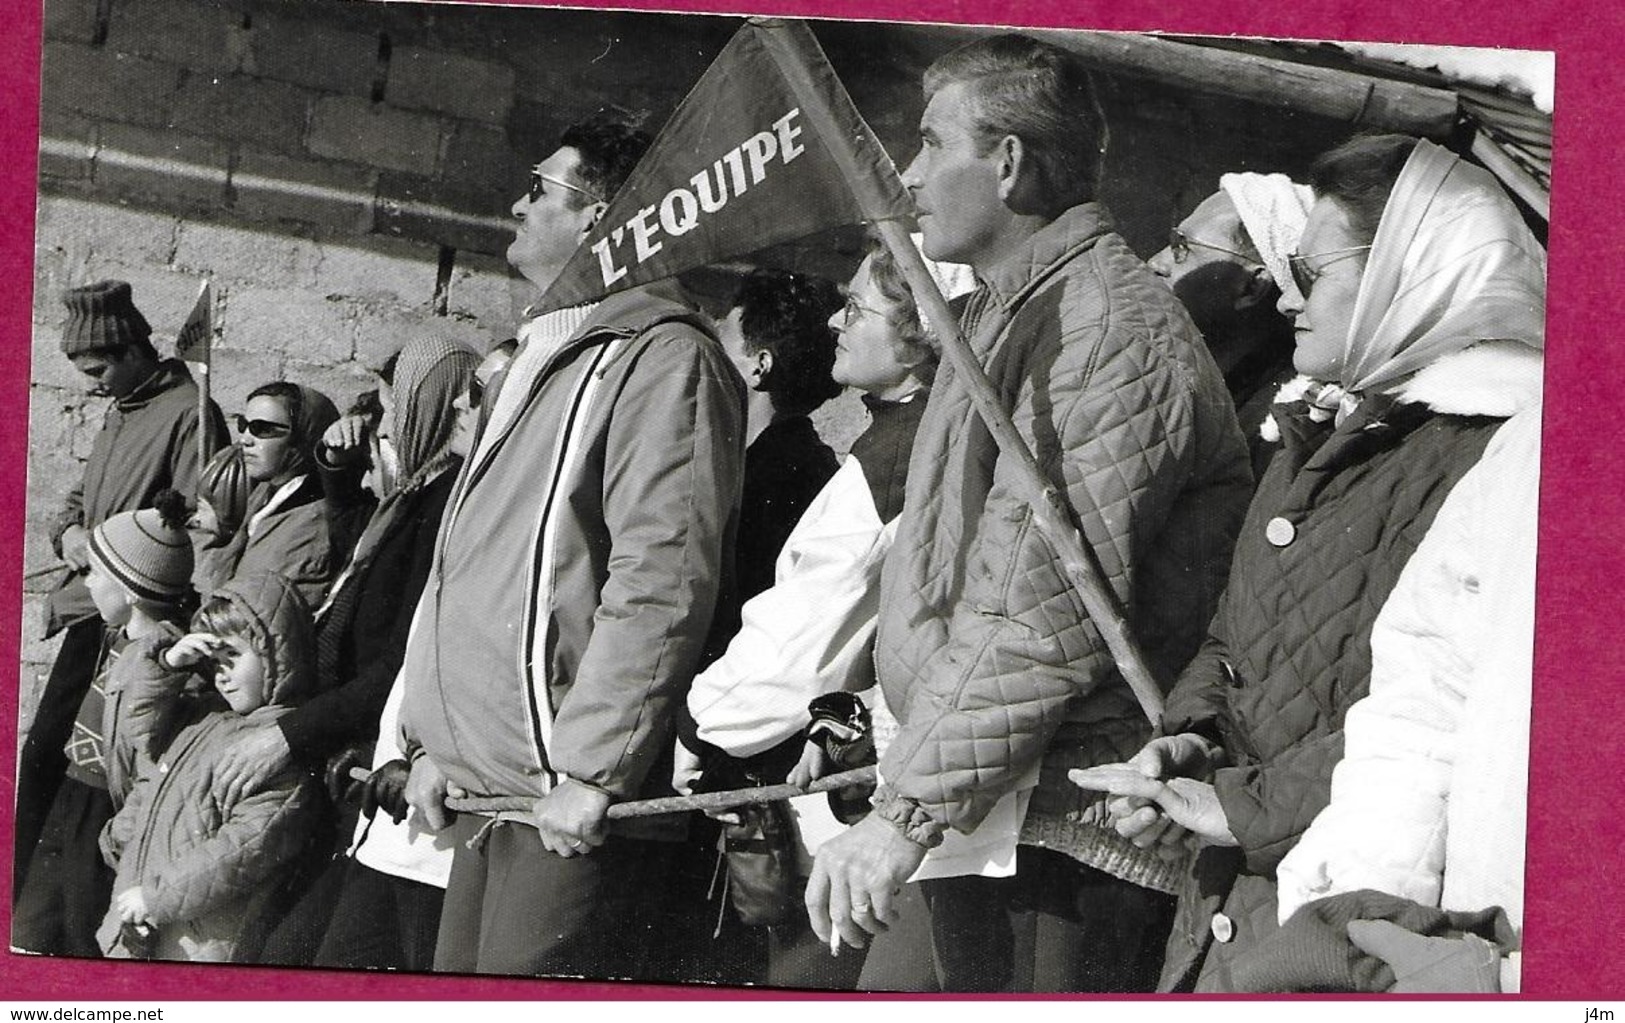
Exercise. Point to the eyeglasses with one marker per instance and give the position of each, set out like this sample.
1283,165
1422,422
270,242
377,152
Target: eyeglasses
853,309
1179,245
1305,276
262,429
538,180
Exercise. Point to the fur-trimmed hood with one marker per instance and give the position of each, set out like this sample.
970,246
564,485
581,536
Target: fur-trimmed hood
1491,378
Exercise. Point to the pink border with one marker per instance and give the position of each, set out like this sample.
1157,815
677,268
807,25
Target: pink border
1576,905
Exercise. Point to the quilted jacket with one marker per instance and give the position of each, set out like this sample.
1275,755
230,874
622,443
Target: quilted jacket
579,560
199,862
1335,519
984,650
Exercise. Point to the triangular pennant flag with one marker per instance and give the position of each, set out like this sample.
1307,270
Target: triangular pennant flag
192,343
766,148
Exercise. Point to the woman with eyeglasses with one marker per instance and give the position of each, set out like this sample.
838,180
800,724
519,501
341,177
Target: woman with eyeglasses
1419,333
362,624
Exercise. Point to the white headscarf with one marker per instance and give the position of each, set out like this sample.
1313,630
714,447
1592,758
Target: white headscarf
1273,210
1452,264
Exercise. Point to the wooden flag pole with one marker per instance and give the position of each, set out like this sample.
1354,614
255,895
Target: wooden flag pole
1049,513
807,72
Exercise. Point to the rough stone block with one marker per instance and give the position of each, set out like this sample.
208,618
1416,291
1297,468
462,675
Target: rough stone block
67,146
236,371
297,322
483,288
381,335
112,231
380,270
272,115
478,156
442,213
332,195
194,35
72,21
236,253
313,53
104,84
449,83
174,169
351,128
341,382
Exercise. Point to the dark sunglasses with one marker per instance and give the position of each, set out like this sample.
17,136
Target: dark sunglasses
540,181
1179,246
1305,276
262,429
476,392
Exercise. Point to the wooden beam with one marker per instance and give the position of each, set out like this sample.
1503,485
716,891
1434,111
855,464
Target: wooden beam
1347,96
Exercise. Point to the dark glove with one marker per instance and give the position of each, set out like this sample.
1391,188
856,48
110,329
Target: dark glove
386,790
341,788
842,730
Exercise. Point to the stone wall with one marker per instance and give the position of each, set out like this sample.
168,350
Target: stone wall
343,172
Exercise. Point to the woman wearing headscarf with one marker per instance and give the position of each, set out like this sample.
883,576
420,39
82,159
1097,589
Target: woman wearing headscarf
289,528
361,627
1420,332
222,507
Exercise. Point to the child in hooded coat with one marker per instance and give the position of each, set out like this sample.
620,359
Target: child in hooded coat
189,865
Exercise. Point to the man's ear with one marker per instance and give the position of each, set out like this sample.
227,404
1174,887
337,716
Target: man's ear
763,365
1012,154
1259,286
597,210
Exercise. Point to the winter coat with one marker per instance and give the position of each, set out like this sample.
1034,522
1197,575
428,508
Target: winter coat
985,653
751,704
579,560
361,638
785,468
1426,803
299,533
147,443
200,863
1339,513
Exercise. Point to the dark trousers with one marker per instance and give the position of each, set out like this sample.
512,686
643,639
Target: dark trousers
512,907
381,922
41,762
69,888
900,959
1057,925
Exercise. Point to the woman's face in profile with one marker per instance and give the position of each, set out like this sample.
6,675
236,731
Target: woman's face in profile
1331,261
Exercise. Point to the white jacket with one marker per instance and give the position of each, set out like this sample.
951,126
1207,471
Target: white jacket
1429,802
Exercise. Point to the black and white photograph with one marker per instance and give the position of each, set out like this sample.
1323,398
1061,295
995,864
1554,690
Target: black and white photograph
824,505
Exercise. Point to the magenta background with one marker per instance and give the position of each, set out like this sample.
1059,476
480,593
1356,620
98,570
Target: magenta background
1575,916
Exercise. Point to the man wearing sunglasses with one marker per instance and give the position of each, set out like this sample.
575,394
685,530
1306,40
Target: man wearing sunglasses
1228,262
574,580
147,443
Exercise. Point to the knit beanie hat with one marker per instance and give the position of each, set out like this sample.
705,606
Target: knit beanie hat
100,316
224,484
148,550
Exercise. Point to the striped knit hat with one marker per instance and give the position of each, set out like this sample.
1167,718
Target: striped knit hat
148,550
101,316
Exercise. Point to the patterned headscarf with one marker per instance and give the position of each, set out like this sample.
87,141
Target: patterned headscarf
430,374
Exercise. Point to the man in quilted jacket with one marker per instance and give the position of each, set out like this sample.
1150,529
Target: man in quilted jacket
984,650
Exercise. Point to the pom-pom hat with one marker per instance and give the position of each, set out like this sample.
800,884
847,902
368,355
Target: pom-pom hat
147,551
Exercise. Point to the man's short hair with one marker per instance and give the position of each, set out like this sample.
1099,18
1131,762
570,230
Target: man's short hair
1039,93
609,149
1360,175
788,314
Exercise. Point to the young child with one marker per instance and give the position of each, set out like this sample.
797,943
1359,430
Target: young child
140,567
189,865
222,504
